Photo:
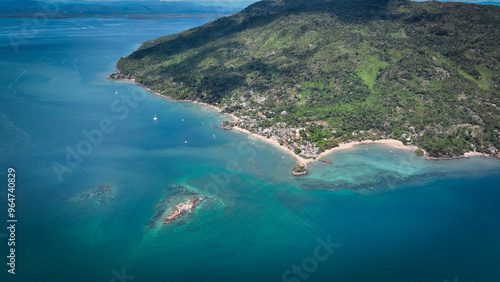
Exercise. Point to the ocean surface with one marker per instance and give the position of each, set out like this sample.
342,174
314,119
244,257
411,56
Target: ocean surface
95,173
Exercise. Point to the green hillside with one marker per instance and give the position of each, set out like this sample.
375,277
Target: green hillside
423,73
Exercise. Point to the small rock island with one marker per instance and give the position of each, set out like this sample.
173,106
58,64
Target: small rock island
182,209
300,169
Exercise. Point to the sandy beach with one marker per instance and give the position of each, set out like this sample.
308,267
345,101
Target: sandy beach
387,142
344,146
475,154
274,143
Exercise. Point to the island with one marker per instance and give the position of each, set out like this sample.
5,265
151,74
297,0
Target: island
311,76
182,209
300,169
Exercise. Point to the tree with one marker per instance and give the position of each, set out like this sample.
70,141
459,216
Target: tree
419,152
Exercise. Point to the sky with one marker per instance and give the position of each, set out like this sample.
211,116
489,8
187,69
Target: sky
214,1
241,3
466,1
104,1
238,3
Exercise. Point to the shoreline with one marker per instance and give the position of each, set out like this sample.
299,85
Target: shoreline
392,143
274,143
131,80
396,144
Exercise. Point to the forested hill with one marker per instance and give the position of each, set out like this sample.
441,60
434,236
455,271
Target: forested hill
426,73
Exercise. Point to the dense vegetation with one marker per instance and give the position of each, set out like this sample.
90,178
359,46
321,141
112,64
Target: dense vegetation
426,73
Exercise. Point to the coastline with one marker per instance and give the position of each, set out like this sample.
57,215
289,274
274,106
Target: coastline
344,146
396,144
475,154
131,80
392,143
274,143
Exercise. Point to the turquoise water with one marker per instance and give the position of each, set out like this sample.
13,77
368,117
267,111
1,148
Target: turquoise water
383,214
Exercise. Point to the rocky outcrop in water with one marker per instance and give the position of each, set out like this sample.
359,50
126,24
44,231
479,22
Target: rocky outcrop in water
175,206
182,209
300,170
104,193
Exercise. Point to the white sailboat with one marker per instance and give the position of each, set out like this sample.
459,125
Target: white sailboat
155,118
116,92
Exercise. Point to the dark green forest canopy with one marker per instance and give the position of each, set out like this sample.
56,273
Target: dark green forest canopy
396,69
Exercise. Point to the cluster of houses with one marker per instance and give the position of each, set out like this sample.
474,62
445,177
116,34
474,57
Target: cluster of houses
282,133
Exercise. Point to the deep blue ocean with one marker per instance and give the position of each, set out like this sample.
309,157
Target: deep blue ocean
93,169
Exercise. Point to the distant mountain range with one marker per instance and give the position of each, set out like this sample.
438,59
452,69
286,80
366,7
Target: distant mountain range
158,9
487,3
